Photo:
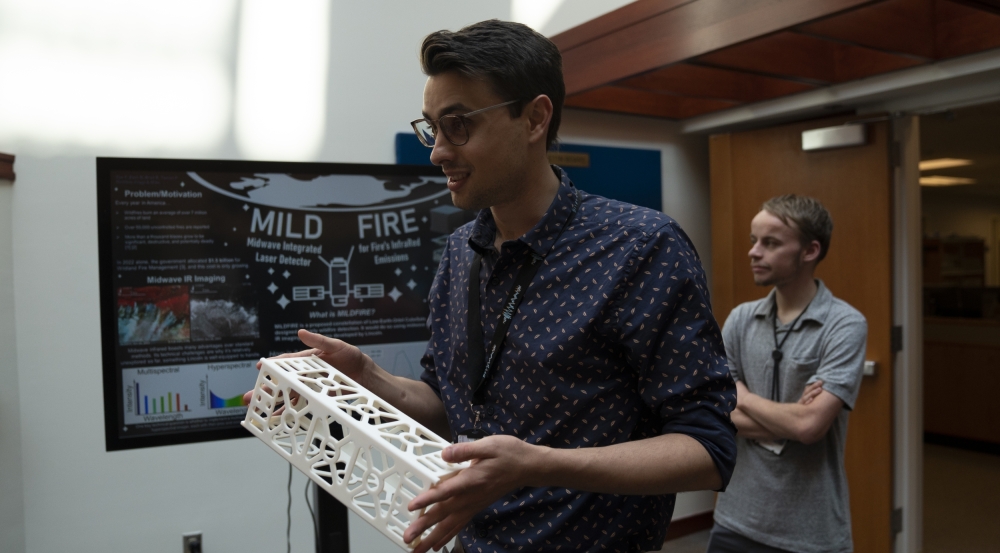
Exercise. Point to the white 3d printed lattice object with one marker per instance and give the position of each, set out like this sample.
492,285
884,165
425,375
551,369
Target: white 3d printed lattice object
384,460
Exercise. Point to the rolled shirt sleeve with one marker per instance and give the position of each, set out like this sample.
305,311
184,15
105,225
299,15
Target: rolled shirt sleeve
843,357
665,323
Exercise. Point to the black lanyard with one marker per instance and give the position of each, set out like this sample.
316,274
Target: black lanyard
776,354
484,362
476,353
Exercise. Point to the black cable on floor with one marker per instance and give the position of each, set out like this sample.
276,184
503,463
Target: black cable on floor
288,530
312,514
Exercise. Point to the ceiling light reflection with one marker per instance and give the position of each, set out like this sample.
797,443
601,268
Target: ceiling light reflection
122,76
940,180
943,163
119,99
281,79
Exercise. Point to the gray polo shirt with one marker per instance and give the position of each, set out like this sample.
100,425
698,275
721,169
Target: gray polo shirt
797,500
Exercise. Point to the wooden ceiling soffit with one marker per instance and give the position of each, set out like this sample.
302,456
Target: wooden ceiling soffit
897,26
698,81
645,102
794,55
614,21
7,167
987,5
623,49
964,30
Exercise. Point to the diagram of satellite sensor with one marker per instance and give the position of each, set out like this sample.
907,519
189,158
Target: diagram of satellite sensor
340,292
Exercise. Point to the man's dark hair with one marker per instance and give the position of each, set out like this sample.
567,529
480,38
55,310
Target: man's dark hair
517,63
810,217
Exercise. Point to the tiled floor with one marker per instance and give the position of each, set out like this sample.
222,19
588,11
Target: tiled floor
961,501
691,543
961,504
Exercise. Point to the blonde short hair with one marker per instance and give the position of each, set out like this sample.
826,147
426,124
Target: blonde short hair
810,217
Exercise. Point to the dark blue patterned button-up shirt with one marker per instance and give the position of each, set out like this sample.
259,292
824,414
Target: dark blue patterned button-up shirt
614,341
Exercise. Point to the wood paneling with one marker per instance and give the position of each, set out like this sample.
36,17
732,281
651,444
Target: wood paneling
857,62
901,26
710,82
855,185
688,525
964,30
959,382
629,14
992,6
689,30
725,259
644,102
786,54
7,167
795,55
753,50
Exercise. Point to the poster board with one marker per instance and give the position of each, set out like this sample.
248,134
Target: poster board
206,266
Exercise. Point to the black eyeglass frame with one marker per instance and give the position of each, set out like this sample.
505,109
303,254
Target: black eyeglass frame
435,124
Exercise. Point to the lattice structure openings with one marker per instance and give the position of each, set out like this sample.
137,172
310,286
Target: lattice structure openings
384,460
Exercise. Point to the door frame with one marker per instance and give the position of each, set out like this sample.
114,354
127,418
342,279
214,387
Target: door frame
908,382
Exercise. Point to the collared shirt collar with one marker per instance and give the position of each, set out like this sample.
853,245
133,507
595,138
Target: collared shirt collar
544,233
817,310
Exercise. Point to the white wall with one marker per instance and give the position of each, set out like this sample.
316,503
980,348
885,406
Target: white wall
551,17
11,489
76,496
683,159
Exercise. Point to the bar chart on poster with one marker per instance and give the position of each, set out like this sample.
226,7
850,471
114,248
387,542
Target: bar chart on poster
207,266
185,392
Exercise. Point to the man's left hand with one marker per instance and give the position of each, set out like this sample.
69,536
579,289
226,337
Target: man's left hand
499,465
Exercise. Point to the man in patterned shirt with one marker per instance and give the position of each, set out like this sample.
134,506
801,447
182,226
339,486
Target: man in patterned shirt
609,391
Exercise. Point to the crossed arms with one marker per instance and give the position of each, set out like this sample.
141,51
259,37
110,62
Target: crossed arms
806,421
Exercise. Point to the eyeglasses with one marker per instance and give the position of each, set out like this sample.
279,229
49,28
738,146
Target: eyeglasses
453,127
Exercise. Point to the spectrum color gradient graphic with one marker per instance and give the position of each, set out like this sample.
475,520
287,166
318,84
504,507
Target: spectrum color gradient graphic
220,403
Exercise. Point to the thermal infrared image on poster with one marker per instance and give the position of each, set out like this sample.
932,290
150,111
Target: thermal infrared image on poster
217,319
153,314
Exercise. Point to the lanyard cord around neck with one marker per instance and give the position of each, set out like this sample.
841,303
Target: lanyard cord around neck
483,363
776,354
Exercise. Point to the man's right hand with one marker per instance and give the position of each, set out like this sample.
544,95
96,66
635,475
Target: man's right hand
344,357
413,397
811,392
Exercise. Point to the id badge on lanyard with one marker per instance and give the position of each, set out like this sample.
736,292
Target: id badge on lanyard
476,433
485,362
488,361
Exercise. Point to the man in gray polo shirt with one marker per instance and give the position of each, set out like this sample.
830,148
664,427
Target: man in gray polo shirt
797,356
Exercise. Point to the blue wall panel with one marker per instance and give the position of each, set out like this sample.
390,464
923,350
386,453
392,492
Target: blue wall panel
628,174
